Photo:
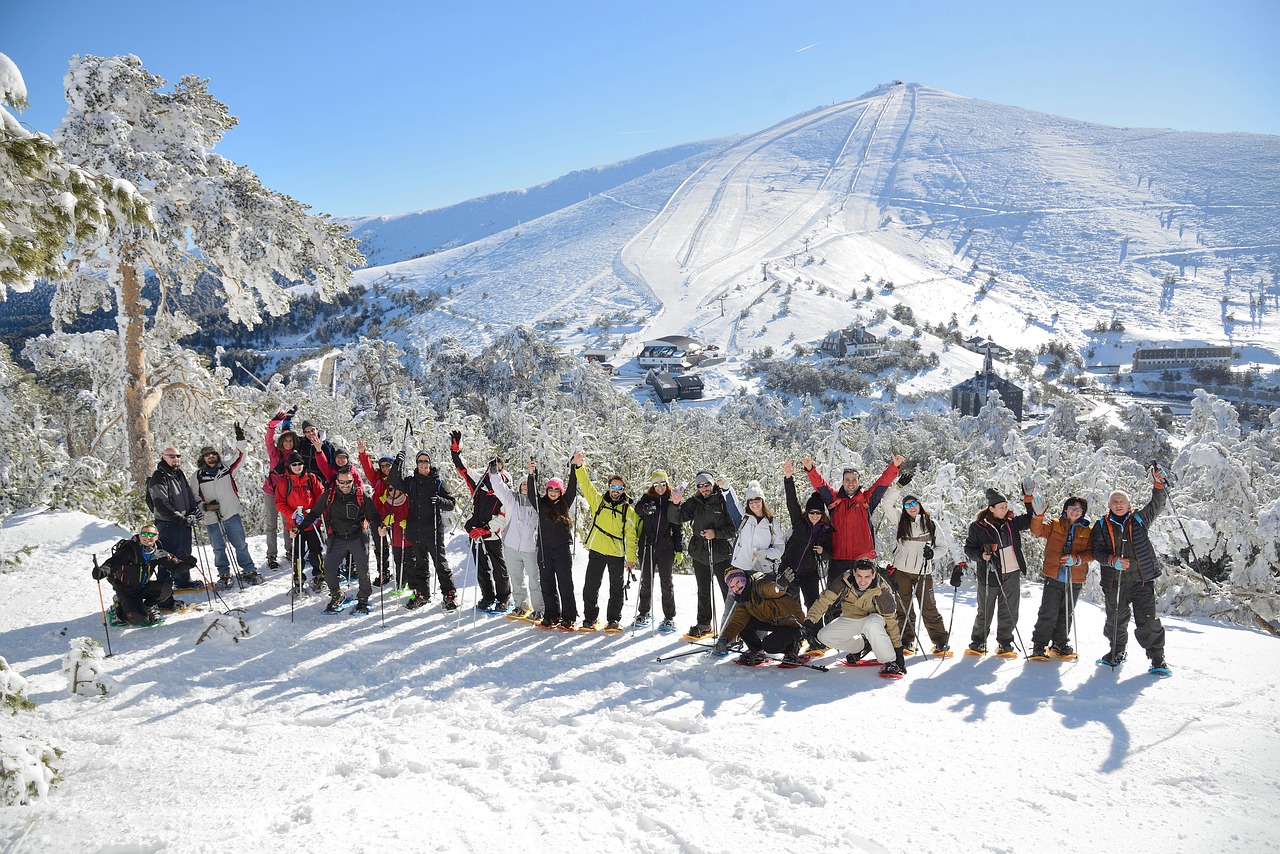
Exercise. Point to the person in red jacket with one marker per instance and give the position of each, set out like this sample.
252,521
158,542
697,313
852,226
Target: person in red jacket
850,508
377,479
393,508
296,493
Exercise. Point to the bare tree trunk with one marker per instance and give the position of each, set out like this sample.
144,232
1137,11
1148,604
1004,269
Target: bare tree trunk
137,421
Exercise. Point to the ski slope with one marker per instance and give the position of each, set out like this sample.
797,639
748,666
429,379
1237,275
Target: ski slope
470,733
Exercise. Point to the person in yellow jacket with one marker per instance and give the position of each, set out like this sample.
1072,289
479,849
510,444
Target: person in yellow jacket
868,611
611,543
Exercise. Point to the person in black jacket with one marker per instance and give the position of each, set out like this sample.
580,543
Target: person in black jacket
486,545
659,544
175,509
810,542
348,515
995,545
710,543
424,528
555,556
1122,545
312,446
141,574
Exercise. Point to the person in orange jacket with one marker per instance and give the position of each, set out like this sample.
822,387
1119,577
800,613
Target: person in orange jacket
1067,553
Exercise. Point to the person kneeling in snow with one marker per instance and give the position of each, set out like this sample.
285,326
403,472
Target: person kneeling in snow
868,611
764,616
142,575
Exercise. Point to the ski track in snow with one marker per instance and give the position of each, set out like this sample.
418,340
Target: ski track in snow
334,733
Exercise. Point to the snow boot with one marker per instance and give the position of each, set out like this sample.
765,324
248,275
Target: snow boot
361,608
1063,652
1003,651
942,650
450,600
1038,654
612,627
1112,659
1159,667
892,671
335,603
751,658
418,600
667,626
976,648
643,621
223,582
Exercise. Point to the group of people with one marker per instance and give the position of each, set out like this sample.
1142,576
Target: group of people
818,586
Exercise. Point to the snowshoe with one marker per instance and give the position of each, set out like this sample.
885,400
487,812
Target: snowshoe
272,563
892,671
547,623
500,608
612,627
1159,668
195,585
419,600
751,659
224,582
450,601
1038,654
569,626
978,649
252,578
643,621
816,650
697,633
153,619
485,605
519,613
589,626
1063,653
175,606
338,603
908,649
851,661
942,650
790,662
1003,651
1112,659
361,609
317,584
667,626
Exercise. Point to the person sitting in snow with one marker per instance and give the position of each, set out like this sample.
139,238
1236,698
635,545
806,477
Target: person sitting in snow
141,573
764,616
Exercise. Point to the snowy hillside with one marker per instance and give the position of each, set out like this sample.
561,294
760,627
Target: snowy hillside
1023,226
454,733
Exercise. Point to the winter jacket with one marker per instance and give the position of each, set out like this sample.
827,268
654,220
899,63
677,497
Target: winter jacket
277,464
429,498
169,495
309,455
297,492
485,503
908,553
131,566
703,513
798,554
329,471
552,536
372,474
1127,536
758,544
851,514
397,513
1055,533
218,484
767,602
985,536
346,515
659,536
520,532
614,524
856,604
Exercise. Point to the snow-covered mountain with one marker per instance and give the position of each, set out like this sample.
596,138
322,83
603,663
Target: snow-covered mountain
1024,226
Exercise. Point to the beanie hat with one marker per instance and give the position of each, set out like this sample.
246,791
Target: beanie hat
754,490
659,476
815,502
703,477
423,453
382,460
340,452
305,425
914,498
296,457
994,498
735,571
555,483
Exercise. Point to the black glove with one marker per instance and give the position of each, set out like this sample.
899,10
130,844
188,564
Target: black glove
810,631
293,410
187,562
192,517
957,573
928,552
239,432
100,573
279,416
900,660
905,477
786,575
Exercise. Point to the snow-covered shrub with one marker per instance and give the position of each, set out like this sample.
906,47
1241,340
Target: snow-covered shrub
82,665
13,689
223,628
28,769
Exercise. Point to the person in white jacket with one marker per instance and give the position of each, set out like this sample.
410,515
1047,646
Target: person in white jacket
520,548
759,542
214,486
915,538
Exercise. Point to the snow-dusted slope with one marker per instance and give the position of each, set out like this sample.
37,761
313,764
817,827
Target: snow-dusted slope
431,733
1062,222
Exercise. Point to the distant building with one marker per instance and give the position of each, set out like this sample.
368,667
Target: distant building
671,353
663,385
978,344
1174,358
690,386
853,341
970,395
602,358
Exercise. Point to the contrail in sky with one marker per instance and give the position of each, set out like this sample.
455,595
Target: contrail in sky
806,47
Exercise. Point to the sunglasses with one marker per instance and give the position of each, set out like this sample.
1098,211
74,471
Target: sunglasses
148,535
296,465
909,504
814,512
172,456
345,482
706,484
616,488
551,489
658,483
424,462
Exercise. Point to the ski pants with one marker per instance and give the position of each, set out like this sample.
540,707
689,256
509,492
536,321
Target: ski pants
662,564
760,636
704,573
307,550
132,604
1051,621
807,585
998,597
848,633
491,570
557,585
234,540
597,563
916,592
272,518
339,550
525,577
175,538
1139,598
419,556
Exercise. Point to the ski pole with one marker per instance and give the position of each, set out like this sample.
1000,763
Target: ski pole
701,648
227,551
382,588
103,607
201,557
1115,619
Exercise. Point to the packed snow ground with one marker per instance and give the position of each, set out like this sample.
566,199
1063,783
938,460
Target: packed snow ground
476,733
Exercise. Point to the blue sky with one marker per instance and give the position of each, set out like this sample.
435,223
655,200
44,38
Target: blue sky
392,107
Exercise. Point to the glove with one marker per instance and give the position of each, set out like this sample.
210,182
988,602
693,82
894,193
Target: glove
786,575
279,416
1028,485
899,659
810,631
192,518
298,516
239,431
957,573
905,478
890,569
455,440
679,558
1158,476
1068,560
721,648
1038,504
479,533
928,552
99,573
293,410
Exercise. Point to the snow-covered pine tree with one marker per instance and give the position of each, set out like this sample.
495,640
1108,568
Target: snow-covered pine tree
82,666
211,216
13,690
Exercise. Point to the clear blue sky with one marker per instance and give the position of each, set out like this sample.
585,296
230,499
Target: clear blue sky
390,107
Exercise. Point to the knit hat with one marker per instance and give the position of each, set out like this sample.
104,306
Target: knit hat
735,571
907,498
659,476
382,460
340,452
815,502
296,457
994,498
703,477
754,490
423,453
555,483
305,425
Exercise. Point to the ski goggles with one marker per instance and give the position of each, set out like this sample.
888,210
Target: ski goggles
907,505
